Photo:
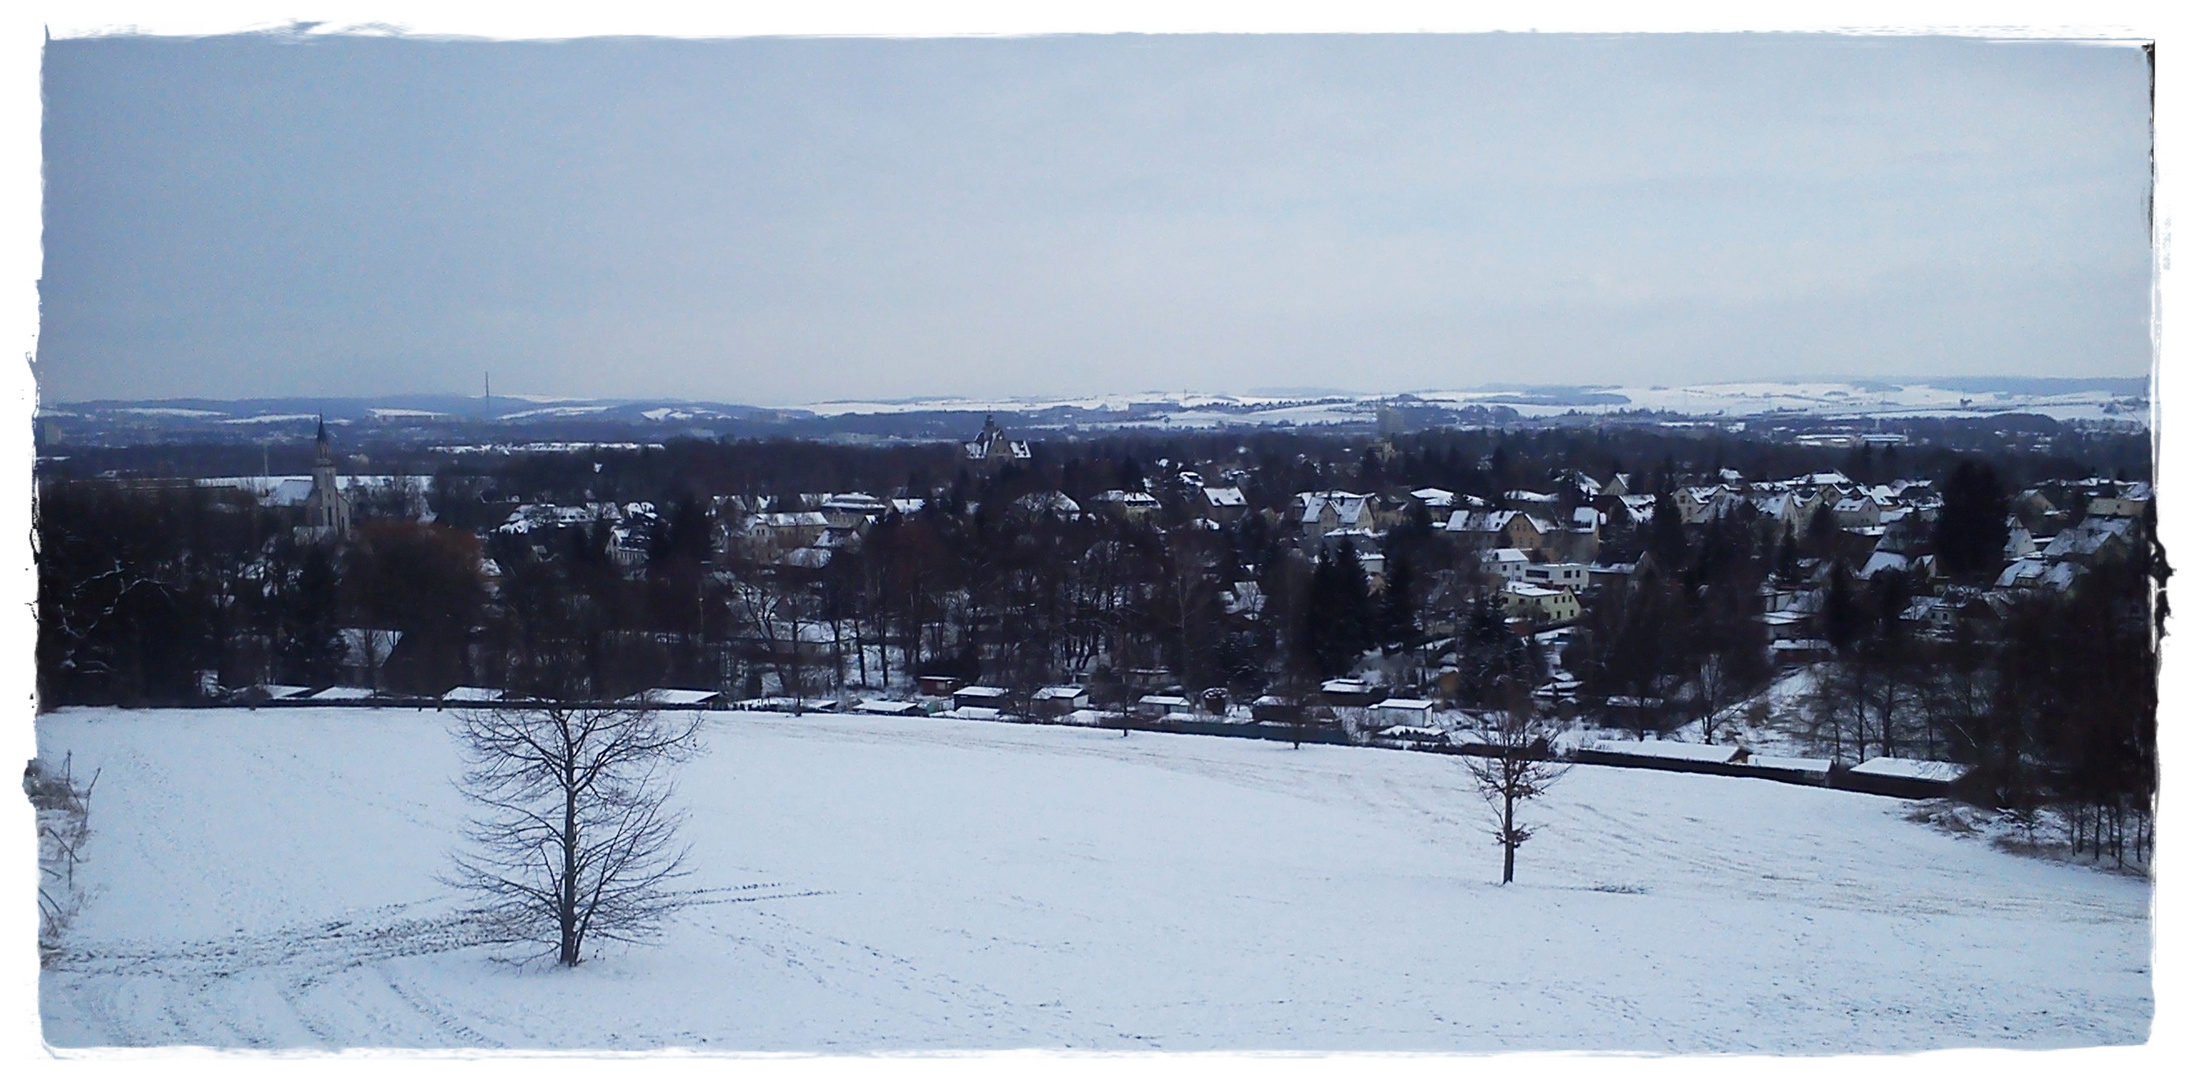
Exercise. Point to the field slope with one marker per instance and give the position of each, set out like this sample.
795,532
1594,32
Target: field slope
269,879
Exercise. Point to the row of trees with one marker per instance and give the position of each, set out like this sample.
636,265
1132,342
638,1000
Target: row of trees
144,591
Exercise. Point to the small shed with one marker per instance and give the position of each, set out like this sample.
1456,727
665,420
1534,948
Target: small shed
1159,705
1903,778
1400,712
1354,692
889,708
1060,700
936,685
664,697
980,697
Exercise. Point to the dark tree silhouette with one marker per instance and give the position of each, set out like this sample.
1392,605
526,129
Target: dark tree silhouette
1973,528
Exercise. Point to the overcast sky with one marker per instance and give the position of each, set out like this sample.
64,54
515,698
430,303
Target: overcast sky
783,221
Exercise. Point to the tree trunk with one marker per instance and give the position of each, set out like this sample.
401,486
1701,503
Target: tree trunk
1507,838
567,896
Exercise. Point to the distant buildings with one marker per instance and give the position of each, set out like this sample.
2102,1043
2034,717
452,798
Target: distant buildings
992,448
327,507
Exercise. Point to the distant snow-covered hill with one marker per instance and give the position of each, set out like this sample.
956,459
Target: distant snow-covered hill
426,418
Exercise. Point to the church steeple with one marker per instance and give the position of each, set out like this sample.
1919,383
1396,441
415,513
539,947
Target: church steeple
327,508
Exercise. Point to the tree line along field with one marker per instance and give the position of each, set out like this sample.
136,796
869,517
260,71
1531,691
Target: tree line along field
274,879
591,574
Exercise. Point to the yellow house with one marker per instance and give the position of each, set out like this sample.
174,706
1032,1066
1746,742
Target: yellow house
1539,605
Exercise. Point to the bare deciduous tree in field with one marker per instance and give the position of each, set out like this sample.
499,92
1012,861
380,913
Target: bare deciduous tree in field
573,841
1515,766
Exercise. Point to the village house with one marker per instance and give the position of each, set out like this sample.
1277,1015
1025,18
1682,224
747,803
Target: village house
1327,511
991,447
1130,505
2128,502
1505,564
1562,575
851,510
1538,606
1222,504
1054,503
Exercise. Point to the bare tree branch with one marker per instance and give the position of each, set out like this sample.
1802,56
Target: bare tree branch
572,839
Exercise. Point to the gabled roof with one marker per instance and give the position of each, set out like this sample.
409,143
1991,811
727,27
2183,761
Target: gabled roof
1056,502
1346,505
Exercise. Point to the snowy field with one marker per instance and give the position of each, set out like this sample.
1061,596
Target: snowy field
268,879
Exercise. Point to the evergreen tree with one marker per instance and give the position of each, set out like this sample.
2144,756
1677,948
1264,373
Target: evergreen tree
1973,528
1668,544
311,648
1397,612
1839,619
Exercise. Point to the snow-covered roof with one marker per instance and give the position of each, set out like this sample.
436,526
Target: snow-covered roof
982,693
662,695
1433,498
888,708
1225,496
1797,764
1406,704
2087,538
1662,748
1056,502
1346,506
1481,521
1912,769
806,558
1059,693
1127,498
1884,560
472,693
341,693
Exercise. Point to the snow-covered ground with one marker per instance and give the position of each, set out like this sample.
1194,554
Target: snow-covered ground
268,879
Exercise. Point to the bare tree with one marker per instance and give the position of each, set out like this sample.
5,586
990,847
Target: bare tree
1514,765
573,841
64,826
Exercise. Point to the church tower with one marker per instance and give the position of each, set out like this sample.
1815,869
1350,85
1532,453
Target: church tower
327,508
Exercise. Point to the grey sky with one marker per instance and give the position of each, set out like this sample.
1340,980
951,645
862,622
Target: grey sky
778,221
